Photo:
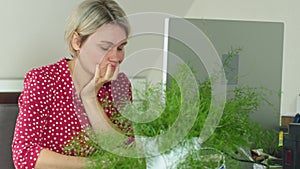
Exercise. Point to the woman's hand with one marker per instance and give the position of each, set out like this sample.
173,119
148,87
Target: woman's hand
91,89
97,117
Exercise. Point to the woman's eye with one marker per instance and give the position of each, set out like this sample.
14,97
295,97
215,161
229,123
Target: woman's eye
120,48
105,49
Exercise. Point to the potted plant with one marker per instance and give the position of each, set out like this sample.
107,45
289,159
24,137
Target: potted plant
235,131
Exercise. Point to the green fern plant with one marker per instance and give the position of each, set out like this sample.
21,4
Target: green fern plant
234,130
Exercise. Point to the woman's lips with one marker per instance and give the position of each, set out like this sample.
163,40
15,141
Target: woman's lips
113,67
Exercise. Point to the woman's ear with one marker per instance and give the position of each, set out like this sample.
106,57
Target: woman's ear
76,41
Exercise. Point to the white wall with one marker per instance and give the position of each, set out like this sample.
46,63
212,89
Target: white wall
267,10
31,34
146,50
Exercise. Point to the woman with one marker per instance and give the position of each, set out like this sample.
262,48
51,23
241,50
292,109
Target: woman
62,99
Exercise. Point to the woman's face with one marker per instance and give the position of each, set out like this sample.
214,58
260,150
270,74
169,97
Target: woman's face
104,47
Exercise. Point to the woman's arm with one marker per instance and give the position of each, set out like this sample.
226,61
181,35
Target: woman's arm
52,160
97,117
28,148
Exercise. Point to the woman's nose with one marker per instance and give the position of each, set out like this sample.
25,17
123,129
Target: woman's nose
115,55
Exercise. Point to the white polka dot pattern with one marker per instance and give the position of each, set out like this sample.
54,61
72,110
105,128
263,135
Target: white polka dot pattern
50,114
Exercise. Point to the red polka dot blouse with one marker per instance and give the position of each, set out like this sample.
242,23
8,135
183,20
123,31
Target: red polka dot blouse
51,114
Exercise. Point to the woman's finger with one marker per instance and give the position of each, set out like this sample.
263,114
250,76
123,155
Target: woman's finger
116,72
109,73
97,72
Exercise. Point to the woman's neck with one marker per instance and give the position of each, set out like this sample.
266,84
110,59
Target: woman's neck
79,76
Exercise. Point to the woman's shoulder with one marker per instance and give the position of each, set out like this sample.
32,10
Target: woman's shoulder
51,70
47,74
122,78
121,88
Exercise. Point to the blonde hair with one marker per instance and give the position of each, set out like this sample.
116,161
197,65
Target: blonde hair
91,15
